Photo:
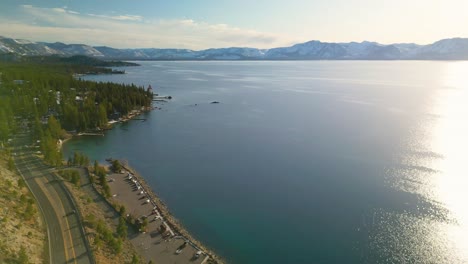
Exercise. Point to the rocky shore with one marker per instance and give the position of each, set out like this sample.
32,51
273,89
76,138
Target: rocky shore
160,209
169,244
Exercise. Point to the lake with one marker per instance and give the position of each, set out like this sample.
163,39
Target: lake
305,161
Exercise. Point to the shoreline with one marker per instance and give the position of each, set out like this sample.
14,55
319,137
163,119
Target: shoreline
132,115
179,231
110,125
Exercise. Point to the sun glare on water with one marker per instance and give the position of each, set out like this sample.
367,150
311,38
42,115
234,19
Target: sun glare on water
433,228
450,139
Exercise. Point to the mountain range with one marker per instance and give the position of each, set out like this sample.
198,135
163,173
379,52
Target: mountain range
446,49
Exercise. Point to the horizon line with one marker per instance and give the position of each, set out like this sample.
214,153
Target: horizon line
244,47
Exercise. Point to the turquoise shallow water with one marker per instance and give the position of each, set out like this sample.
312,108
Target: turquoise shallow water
305,162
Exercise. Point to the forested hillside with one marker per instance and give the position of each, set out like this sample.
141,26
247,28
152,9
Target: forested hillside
47,99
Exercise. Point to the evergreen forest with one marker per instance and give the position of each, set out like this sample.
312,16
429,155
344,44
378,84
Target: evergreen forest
51,101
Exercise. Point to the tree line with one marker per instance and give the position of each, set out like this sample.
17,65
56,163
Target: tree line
49,100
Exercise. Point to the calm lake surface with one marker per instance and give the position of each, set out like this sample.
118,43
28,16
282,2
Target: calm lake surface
306,162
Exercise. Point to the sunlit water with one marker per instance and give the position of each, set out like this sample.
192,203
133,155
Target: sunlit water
306,162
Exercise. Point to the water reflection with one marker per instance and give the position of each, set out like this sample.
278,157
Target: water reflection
297,134
450,138
432,224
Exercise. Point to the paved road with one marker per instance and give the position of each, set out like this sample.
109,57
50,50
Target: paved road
65,233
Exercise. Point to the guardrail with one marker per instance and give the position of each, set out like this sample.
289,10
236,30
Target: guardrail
71,199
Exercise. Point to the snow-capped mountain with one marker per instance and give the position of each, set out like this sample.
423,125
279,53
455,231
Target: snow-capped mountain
74,49
230,54
24,47
447,49
309,50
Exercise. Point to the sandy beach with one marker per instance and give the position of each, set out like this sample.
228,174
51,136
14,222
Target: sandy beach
130,190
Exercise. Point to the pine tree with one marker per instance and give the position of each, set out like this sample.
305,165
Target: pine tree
122,228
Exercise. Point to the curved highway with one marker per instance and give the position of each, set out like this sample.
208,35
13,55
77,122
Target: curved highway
66,238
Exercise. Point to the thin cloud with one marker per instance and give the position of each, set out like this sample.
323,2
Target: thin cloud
120,17
60,10
130,31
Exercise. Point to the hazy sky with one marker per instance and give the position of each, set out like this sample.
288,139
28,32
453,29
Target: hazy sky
204,24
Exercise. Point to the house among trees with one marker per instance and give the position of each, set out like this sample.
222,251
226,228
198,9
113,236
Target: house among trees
115,116
58,97
71,104
19,81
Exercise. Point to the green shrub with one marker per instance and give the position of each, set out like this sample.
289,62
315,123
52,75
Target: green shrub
90,220
116,244
122,228
116,166
29,212
135,259
22,256
11,164
107,192
21,183
122,210
75,178
97,242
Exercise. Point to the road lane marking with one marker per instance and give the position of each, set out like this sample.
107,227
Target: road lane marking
46,192
51,189
68,225
39,173
40,207
67,229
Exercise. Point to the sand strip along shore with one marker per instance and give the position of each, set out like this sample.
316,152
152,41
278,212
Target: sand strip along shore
132,191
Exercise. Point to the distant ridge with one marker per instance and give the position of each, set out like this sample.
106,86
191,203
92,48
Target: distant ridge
446,49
